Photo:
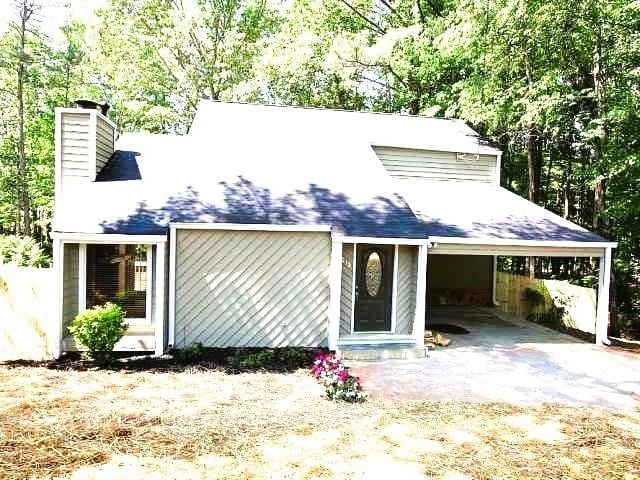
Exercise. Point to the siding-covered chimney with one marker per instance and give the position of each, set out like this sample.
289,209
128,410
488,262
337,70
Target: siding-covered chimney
84,143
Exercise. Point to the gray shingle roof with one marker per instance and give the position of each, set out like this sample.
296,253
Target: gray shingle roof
484,211
155,179
275,165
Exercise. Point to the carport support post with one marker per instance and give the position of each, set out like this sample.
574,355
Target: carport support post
602,314
421,296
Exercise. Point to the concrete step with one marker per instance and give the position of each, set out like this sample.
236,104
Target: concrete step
376,352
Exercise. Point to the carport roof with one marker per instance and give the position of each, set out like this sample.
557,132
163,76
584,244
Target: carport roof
481,211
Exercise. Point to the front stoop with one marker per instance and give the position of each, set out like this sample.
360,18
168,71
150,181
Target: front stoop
368,353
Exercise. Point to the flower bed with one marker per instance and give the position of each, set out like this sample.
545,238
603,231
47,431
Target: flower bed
332,373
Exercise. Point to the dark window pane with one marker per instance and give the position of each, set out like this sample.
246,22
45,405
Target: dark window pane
118,274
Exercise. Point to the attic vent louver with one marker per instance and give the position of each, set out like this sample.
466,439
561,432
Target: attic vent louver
467,157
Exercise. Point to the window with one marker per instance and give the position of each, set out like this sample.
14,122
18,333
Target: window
118,274
373,274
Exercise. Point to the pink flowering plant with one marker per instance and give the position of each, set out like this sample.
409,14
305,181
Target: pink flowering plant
329,370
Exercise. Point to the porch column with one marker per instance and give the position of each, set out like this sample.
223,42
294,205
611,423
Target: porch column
160,297
335,280
82,277
602,314
55,323
421,294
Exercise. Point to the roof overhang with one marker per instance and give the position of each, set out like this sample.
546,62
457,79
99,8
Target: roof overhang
256,227
382,240
73,237
506,247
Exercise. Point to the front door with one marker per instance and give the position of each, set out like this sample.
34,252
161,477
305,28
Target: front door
374,283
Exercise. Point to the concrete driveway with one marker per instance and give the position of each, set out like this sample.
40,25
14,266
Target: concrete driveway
504,359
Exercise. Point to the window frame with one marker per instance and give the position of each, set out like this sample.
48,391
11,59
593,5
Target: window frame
82,283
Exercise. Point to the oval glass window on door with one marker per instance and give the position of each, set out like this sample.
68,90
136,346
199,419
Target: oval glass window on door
373,274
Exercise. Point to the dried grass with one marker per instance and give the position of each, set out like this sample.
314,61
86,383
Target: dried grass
183,425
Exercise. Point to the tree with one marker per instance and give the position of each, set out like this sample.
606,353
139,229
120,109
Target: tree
155,59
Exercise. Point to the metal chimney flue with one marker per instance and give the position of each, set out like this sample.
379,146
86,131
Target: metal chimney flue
91,105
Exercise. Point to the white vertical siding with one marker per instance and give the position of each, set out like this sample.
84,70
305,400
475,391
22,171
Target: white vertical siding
407,163
252,289
104,142
76,146
86,144
406,291
346,302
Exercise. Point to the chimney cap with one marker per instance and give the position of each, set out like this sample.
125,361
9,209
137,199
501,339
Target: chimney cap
91,105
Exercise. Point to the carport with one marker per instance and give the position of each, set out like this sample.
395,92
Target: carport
467,220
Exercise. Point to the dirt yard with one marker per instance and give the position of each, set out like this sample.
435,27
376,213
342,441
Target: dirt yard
199,424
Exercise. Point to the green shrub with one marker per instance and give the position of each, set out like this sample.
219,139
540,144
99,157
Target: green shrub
552,317
188,354
22,251
288,358
533,297
99,328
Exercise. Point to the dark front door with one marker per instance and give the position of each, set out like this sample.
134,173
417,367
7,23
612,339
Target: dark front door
374,283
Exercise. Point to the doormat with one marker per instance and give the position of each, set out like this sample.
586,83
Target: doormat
447,328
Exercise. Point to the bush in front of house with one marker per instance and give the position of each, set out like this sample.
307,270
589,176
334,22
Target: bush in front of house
99,328
285,358
193,353
329,369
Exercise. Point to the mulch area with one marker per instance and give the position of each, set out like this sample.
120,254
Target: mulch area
189,423
228,360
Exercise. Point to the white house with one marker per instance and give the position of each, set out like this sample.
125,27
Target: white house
278,226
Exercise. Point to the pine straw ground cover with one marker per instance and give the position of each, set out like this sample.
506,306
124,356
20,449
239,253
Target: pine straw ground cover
206,424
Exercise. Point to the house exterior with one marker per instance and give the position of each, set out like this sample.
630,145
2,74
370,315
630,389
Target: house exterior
271,226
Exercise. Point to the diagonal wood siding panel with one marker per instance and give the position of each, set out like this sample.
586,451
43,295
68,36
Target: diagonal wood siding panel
346,290
252,289
406,292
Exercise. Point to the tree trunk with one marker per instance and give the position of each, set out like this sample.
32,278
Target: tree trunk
567,193
24,208
599,191
534,165
414,106
598,207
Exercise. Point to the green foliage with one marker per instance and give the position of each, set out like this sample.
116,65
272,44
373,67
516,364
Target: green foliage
22,251
192,353
564,74
533,297
542,309
552,317
99,328
346,391
289,358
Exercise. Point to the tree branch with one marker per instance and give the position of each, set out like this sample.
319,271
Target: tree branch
377,28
